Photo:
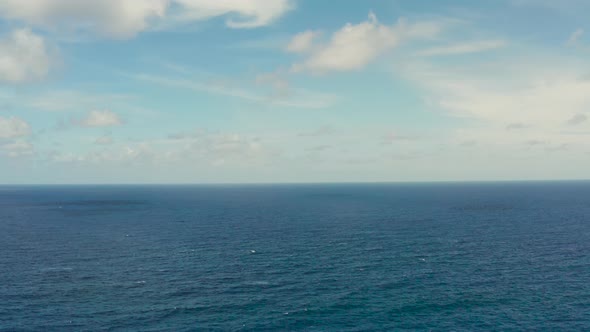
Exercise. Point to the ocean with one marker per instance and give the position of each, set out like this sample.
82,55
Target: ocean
331,257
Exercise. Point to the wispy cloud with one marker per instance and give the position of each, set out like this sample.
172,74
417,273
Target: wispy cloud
74,100
464,48
103,118
300,98
575,37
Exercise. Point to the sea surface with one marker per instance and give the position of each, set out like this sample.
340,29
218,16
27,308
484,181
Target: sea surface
341,257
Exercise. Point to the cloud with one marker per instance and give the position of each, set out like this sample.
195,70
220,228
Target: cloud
202,149
535,142
13,137
296,98
302,42
122,19
577,119
13,127
112,18
575,37
395,138
319,148
514,91
566,6
24,57
249,13
322,131
17,148
516,126
101,119
276,80
492,101
356,45
104,140
463,48
70,100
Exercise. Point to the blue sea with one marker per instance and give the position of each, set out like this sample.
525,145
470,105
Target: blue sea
337,257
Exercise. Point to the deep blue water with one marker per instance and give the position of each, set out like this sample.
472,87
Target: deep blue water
496,256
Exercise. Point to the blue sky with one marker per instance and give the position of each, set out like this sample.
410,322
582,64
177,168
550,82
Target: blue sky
203,91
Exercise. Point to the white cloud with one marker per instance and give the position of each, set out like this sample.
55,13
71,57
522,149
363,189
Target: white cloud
280,86
302,42
539,95
104,140
575,37
125,18
70,100
356,45
13,127
296,98
113,18
101,119
464,48
24,57
17,148
532,93
250,13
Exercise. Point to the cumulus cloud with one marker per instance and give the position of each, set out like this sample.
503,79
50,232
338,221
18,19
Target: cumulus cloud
114,18
103,118
125,18
13,127
24,57
356,45
302,42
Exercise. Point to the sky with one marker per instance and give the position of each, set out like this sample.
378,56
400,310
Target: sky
264,91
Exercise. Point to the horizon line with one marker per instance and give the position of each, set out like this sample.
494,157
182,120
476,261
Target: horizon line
290,183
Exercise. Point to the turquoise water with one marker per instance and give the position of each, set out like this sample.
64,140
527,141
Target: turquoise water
502,256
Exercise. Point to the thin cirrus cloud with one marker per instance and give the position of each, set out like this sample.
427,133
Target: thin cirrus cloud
356,45
297,98
247,13
104,140
524,92
464,48
24,57
575,37
122,19
103,118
